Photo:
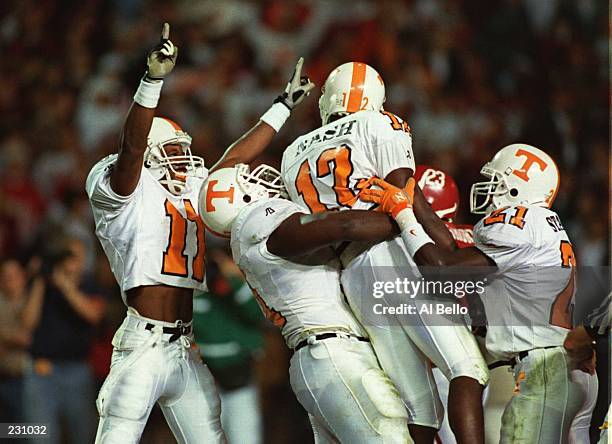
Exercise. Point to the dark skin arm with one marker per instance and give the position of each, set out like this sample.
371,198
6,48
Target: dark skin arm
445,251
580,347
133,143
302,233
433,225
433,255
126,173
248,147
254,142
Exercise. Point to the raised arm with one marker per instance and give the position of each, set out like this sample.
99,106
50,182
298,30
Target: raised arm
160,62
304,233
253,143
434,226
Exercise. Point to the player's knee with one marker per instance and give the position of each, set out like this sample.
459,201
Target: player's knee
383,394
391,418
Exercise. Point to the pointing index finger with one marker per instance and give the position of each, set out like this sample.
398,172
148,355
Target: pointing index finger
165,35
298,68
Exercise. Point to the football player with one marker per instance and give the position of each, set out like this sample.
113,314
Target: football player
579,344
325,170
144,201
280,248
442,194
529,302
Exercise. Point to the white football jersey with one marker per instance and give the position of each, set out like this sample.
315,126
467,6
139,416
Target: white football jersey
296,297
326,168
151,237
529,301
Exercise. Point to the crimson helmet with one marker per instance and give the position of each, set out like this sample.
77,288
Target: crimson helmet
440,191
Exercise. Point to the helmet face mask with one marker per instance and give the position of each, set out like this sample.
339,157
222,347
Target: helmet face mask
483,195
349,88
171,171
518,174
228,190
251,182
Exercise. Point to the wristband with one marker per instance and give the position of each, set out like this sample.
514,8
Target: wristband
413,234
148,93
276,116
283,99
399,208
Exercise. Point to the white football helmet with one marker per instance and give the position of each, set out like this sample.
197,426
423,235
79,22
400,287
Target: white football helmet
349,88
518,174
171,171
228,190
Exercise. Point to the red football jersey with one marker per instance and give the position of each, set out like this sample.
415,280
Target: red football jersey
463,234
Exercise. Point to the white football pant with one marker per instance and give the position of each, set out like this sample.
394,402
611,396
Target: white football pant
546,399
348,397
405,344
579,430
146,368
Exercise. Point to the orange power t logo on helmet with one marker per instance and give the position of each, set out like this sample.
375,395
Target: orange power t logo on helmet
211,194
530,160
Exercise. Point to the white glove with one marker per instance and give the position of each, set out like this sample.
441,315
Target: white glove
162,58
299,86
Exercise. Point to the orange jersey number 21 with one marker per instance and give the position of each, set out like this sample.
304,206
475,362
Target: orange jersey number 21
499,217
175,260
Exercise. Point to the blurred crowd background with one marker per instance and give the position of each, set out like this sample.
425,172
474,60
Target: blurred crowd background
469,76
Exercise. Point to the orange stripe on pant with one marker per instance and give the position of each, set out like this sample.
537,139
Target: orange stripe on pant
356,92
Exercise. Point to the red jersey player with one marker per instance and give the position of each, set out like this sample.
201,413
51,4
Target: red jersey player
442,194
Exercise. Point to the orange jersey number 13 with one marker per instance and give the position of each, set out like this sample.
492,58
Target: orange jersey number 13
175,260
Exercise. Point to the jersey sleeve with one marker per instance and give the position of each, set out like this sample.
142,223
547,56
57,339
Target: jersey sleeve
99,190
507,245
390,143
256,223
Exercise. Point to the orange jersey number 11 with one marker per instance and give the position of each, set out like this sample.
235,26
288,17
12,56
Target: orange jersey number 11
175,260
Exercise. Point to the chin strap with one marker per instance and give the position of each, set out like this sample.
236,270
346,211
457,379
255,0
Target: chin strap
176,187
